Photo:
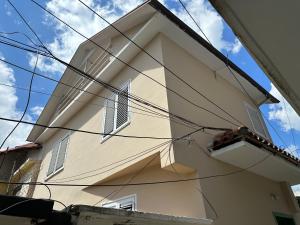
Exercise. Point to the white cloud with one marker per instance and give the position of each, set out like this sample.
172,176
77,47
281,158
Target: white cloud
8,102
36,110
210,22
236,46
66,41
283,112
83,20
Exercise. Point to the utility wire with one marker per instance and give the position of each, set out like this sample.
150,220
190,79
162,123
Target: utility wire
83,131
119,163
145,183
118,91
230,70
149,77
198,26
198,189
23,114
145,152
115,192
21,33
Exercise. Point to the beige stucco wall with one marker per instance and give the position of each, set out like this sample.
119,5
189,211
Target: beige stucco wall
235,198
243,198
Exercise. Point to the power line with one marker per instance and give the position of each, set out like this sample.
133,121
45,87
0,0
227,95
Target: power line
190,15
133,68
145,183
115,192
23,114
148,113
136,156
118,91
241,85
83,131
119,163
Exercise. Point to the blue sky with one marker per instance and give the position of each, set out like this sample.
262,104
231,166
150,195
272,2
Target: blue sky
63,42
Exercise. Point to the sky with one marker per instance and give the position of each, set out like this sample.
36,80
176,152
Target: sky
63,43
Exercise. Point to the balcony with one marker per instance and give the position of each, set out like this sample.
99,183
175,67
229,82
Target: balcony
247,150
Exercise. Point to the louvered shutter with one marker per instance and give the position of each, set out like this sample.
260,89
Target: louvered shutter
62,153
110,115
256,121
53,160
122,109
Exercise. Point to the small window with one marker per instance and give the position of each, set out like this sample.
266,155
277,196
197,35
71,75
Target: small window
58,156
117,107
256,120
127,203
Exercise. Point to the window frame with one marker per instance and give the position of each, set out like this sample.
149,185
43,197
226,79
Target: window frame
119,201
262,122
48,176
115,129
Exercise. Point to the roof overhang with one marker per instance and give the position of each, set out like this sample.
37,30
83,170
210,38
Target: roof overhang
269,31
257,160
160,20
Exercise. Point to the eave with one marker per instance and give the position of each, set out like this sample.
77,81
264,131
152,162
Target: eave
268,29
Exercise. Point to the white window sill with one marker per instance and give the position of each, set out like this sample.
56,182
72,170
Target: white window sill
53,174
105,138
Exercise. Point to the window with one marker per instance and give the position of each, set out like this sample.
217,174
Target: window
256,120
116,114
58,156
127,203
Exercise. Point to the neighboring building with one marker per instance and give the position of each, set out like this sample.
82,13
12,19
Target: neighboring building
271,38
257,187
18,166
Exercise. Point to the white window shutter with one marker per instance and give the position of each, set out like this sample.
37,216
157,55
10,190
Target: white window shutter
53,160
62,153
110,115
122,109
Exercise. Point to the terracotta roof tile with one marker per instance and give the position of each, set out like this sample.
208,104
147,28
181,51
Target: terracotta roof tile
25,147
244,134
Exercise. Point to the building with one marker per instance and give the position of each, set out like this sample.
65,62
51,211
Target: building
236,177
270,37
18,166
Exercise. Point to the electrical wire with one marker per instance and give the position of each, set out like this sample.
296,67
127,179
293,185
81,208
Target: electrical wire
20,33
84,131
149,77
136,156
22,116
198,189
230,70
115,192
145,183
116,90
142,101
119,163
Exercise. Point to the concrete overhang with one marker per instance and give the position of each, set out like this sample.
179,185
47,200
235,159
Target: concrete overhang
97,216
257,160
268,29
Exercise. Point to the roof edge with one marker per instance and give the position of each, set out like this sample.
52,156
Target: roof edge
162,9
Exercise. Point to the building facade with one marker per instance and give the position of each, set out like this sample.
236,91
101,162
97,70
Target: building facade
212,186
